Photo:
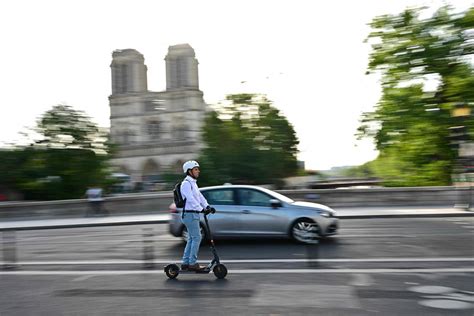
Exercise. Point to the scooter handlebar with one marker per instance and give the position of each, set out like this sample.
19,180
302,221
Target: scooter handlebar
208,210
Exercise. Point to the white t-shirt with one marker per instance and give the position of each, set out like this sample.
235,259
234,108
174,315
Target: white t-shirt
194,198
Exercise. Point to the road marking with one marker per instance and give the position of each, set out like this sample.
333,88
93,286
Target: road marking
138,238
99,242
444,297
431,289
380,236
166,239
139,261
83,278
455,259
361,279
416,270
247,271
305,295
446,304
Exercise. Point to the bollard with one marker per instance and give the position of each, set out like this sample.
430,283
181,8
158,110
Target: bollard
148,249
9,250
312,253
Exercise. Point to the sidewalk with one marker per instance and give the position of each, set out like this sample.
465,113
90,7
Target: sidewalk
342,213
83,222
401,211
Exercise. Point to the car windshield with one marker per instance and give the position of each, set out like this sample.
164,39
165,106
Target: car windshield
277,195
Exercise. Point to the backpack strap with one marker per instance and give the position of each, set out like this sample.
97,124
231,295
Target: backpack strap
184,207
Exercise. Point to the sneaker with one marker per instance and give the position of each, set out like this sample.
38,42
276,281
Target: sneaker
184,267
195,267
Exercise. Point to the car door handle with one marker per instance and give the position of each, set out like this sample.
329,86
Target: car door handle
246,211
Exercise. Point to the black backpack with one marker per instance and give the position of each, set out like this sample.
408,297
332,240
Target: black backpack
178,198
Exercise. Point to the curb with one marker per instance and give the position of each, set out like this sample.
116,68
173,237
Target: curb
414,215
165,221
82,225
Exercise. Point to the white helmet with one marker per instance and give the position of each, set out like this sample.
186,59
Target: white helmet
189,165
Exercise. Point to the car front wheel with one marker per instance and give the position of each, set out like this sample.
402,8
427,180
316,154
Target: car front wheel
305,231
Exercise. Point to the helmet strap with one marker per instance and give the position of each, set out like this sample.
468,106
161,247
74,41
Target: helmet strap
190,173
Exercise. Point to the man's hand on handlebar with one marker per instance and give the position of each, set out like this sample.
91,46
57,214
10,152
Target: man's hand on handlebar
209,210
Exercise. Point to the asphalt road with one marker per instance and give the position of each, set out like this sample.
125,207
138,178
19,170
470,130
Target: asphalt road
397,266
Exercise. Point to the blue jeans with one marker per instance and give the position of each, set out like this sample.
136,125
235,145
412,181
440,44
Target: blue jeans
191,221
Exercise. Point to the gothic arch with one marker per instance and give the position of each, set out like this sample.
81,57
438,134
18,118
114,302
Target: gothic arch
177,166
150,170
124,169
179,130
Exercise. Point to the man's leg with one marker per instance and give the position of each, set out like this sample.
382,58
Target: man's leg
187,250
195,237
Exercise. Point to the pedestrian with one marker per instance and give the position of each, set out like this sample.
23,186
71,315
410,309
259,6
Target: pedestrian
195,203
95,200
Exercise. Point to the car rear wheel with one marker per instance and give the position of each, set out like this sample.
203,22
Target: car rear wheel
305,231
184,234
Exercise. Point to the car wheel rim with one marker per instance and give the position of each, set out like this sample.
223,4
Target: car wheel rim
306,232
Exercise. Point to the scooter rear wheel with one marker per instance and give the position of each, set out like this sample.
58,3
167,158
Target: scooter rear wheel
220,271
172,271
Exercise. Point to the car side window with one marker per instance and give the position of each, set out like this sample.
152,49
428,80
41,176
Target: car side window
254,198
219,197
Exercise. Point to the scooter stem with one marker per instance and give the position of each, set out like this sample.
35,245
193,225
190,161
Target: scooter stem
208,228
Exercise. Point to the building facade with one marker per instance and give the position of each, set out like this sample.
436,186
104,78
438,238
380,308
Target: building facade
155,131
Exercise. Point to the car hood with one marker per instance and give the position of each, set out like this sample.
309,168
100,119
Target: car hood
313,205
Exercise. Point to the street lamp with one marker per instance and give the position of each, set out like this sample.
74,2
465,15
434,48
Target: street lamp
464,172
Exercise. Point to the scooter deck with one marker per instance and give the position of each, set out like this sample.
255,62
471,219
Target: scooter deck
204,271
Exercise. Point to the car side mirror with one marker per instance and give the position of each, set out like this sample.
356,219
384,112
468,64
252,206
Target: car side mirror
275,203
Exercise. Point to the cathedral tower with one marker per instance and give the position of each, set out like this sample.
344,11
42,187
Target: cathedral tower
128,72
181,68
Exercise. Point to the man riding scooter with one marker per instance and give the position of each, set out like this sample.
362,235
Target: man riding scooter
195,203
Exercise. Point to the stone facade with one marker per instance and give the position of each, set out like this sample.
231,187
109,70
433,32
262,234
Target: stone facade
155,131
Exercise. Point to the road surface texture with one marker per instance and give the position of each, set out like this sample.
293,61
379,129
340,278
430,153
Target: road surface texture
375,266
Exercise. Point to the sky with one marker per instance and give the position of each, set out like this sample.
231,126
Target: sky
308,57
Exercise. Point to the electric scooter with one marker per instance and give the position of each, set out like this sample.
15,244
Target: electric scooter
220,271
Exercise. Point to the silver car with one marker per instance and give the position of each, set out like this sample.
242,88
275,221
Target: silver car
253,211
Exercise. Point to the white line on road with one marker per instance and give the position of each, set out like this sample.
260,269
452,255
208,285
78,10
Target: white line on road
380,236
247,271
83,278
106,262
166,239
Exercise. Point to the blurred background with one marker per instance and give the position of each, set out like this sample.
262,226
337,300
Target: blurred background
380,96
360,111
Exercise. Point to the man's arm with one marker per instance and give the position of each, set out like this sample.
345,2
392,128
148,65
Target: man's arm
203,200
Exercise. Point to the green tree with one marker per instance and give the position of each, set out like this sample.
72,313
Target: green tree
71,154
411,123
247,140
65,127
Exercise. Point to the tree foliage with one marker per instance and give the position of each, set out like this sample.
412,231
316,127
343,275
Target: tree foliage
412,122
65,127
247,140
71,155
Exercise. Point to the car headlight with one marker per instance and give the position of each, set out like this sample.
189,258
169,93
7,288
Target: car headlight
325,213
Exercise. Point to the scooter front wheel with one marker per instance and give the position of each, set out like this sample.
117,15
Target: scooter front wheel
220,271
172,271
